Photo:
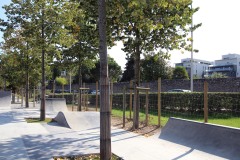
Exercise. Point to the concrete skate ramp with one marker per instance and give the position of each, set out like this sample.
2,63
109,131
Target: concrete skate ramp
214,139
79,121
5,99
56,104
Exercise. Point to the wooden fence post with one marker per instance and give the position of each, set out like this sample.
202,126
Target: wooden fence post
22,94
159,102
124,105
130,99
146,109
87,101
84,97
205,102
111,96
73,99
34,94
96,95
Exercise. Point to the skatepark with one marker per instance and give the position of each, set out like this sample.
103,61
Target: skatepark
76,133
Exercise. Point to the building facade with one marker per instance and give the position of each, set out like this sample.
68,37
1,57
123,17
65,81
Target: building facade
229,66
199,66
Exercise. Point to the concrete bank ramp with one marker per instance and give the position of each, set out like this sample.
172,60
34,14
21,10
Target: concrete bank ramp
56,104
214,139
79,121
5,99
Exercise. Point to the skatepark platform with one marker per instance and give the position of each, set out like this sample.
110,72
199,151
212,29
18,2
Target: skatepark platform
214,139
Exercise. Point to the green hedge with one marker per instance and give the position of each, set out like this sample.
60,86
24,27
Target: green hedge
181,102
187,102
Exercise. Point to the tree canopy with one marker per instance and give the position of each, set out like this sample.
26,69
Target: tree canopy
154,67
180,73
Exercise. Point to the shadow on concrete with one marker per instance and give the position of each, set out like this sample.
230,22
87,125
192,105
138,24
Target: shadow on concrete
61,144
12,149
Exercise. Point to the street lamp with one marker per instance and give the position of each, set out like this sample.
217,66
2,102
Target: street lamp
191,78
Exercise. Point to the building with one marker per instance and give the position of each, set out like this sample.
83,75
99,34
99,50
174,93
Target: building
229,66
199,66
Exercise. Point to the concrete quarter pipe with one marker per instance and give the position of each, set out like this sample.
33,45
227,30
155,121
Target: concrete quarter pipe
5,99
79,120
56,104
214,139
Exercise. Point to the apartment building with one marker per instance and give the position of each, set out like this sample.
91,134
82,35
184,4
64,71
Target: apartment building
199,66
229,66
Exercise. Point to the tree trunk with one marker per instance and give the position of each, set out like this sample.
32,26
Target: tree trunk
27,82
105,115
27,90
136,83
42,109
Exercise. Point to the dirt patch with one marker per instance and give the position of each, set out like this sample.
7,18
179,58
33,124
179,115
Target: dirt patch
143,129
118,123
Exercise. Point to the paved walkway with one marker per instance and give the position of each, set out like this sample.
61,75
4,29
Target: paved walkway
22,141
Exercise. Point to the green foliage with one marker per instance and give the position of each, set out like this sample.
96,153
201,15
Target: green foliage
61,80
154,67
114,70
180,73
35,27
217,75
128,73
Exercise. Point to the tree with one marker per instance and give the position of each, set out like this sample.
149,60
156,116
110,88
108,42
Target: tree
114,70
61,81
147,26
105,114
153,67
128,73
11,70
180,73
45,24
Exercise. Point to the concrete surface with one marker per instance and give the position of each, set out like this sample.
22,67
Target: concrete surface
130,145
36,141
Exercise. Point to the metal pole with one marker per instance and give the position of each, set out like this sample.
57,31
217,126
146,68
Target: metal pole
192,53
70,84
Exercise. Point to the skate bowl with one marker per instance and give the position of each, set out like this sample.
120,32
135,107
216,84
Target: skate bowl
5,99
214,139
56,105
79,121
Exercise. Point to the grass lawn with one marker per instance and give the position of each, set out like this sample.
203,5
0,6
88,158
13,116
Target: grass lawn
153,119
86,157
37,120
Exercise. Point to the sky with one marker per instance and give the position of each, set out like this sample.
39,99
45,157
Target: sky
218,35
